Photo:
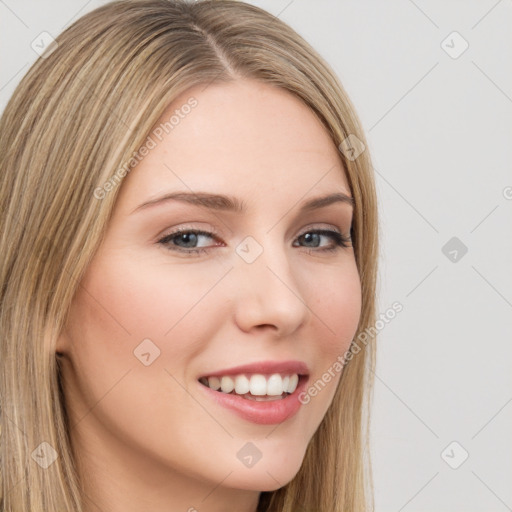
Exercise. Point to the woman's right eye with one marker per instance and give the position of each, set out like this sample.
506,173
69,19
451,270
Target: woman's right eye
186,240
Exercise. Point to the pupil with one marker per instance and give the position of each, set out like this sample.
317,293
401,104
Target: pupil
309,237
189,238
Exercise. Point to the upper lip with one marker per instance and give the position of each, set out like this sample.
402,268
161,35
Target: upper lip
265,367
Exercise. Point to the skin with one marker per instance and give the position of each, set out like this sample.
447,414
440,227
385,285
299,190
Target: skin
145,437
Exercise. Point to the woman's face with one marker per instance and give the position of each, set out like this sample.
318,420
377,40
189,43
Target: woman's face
157,311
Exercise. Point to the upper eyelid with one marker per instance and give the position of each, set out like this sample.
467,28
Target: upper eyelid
185,229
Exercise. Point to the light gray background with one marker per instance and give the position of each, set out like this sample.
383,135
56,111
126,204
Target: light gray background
440,133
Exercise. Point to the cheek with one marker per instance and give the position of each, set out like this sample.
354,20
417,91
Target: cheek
129,313
336,306
115,310
140,299
336,310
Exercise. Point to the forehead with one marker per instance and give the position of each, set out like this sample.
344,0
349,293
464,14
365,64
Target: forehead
239,137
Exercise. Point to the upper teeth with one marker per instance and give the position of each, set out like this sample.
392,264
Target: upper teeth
257,384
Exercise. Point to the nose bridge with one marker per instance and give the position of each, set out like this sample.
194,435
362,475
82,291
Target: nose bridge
267,292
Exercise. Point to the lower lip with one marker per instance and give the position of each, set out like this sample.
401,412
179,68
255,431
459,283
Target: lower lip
262,413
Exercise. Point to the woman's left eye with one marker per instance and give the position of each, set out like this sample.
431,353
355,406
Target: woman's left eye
187,240
314,237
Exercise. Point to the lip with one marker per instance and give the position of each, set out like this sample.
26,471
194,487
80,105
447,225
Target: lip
263,368
262,413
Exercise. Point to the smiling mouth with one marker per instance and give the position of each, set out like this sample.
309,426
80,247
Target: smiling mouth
256,387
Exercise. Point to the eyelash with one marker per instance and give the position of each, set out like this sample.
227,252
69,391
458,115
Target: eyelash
340,240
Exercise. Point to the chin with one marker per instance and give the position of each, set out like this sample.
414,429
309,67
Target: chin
266,478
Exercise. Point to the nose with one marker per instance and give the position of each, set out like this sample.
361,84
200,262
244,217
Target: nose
267,294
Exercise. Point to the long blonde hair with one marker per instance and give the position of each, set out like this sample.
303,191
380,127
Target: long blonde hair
80,112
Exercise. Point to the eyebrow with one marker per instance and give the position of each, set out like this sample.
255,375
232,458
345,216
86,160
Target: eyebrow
220,202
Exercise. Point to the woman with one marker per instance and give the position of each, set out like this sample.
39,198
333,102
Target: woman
189,241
